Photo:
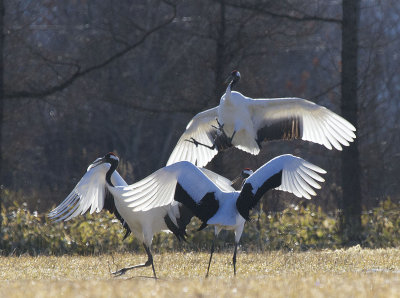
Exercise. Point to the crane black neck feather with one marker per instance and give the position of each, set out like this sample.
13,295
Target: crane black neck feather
235,78
109,201
248,200
233,83
114,165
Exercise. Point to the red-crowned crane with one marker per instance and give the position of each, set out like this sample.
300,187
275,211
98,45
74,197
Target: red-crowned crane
93,191
228,209
245,123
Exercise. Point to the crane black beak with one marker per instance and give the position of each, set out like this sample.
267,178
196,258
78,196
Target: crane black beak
98,162
228,79
236,179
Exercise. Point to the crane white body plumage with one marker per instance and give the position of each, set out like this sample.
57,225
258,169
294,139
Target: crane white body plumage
92,193
224,208
253,121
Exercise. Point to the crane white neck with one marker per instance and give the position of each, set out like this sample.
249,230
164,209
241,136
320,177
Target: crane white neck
228,92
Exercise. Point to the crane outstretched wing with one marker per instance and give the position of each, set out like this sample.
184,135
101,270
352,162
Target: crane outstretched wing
182,182
90,192
285,172
223,183
297,118
201,129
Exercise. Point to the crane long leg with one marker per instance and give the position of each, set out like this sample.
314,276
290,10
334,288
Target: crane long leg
212,251
148,263
231,138
197,143
220,126
234,259
221,141
150,257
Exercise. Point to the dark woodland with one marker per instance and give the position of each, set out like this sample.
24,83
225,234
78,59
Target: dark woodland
79,79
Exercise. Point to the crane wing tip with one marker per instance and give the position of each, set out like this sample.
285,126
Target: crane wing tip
314,168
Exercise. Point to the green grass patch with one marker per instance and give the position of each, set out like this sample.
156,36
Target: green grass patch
294,229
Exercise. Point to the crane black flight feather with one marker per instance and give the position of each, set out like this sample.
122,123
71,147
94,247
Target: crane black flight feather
204,210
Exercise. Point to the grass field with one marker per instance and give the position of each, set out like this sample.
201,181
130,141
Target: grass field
353,272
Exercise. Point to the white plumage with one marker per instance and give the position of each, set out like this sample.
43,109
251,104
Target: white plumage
247,122
93,193
202,129
223,208
90,192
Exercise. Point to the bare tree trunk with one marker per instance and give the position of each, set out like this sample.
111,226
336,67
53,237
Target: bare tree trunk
220,60
220,54
351,199
1,103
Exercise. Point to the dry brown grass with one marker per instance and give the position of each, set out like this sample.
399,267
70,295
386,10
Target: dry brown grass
353,272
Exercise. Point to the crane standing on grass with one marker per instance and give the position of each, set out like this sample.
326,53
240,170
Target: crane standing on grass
94,191
227,209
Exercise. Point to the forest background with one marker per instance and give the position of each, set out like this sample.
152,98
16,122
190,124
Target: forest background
81,78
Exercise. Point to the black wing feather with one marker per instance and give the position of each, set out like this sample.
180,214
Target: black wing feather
204,210
185,215
284,129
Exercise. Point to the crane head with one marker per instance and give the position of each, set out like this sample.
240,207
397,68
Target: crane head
244,174
233,78
235,75
110,158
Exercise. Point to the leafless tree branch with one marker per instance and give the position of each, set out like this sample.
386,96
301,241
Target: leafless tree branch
326,91
82,72
303,18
